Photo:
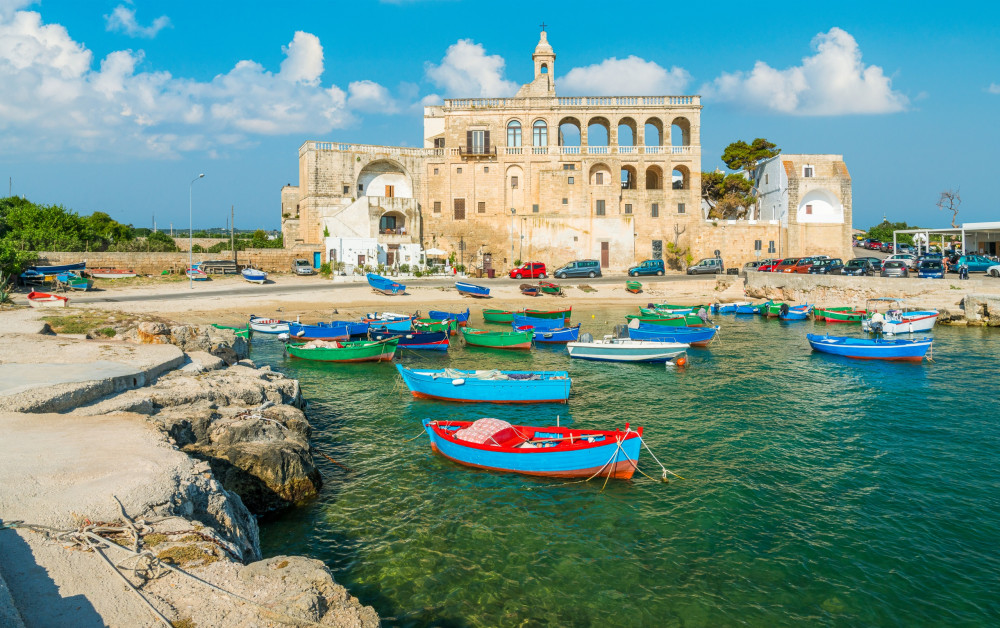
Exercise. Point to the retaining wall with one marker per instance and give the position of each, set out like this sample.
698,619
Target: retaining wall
270,260
825,289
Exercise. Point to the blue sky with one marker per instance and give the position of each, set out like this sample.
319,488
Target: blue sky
115,106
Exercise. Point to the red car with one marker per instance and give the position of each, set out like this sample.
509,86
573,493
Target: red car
802,266
768,265
530,270
786,265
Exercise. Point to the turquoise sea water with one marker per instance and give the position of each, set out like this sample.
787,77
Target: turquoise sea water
818,490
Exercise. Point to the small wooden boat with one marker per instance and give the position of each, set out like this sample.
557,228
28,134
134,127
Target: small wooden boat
676,308
196,274
871,348
460,317
385,286
490,386
529,290
635,287
669,320
844,316
32,277
388,320
566,313
728,308
519,320
254,275
626,350
111,273
71,281
664,311
899,320
553,335
345,351
498,316
472,290
819,313
550,288
433,340
268,325
497,339
794,312
59,268
333,331
546,451
752,308
694,336
44,299
774,309
435,325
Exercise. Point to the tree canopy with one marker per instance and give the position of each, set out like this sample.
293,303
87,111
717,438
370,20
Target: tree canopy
729,196
883,232
742,156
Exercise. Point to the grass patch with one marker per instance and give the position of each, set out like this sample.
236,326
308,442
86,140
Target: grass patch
185,622
586,288
183,555
152,540
79,323
107,332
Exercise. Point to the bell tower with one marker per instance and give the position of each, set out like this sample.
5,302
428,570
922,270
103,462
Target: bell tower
545,60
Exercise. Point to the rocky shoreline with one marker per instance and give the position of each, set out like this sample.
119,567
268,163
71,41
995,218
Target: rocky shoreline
235,443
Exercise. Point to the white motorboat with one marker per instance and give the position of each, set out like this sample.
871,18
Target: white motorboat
899,320
610,349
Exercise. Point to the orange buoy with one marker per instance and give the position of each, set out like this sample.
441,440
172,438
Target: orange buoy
681,361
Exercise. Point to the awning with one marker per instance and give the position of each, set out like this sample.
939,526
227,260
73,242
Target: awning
434,253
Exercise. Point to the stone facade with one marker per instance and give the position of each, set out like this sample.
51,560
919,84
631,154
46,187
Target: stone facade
536,176
269,260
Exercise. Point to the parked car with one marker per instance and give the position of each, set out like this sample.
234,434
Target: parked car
832,266
993,271
531,270
859,266
904,248
768,265
709,265
911,260
934,269
873,244
886,247
786,265
975,263
894,268
303,267
580,268
749,267
802,266
648,267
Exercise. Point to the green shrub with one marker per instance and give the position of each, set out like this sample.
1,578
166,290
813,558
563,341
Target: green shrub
404,268
325,270
197,248
417,273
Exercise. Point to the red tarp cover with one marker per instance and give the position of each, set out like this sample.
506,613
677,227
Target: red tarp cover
483,430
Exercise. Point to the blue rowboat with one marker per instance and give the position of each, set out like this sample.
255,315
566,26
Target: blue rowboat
694,336
558,335
461,317
472,290
871,348
546,451
387,321
433,340
487,386
518,320
335,330
61,268
794,312
385,286
254,275
730,308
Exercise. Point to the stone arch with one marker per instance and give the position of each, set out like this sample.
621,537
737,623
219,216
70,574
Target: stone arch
605,174
570,132
514,133
654,178
540,133
680,132
382,176
391,222
632,136
681,178
653,129
820,205
629,178
544,69
599,133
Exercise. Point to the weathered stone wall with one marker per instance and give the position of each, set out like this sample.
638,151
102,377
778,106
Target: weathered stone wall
270,260
827,289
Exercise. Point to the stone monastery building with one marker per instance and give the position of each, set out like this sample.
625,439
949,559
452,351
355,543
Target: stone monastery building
547,178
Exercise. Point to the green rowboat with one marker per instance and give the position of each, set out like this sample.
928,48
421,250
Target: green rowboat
241,332
497,339
669,320
550,288
635,287
774,310
845,316
498,316
346,351
549,313
819,314
432,324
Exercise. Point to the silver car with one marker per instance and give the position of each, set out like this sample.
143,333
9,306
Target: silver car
894,268
303,267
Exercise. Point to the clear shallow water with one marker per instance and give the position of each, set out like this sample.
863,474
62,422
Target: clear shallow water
819,490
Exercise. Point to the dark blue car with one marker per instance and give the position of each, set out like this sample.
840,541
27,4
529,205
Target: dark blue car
930,269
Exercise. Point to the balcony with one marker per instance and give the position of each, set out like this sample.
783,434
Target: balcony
574,102
483,152
601,150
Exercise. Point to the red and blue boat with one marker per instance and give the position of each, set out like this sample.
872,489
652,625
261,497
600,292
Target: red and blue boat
544,451
871,348
489,386
694,336
461,317
432,340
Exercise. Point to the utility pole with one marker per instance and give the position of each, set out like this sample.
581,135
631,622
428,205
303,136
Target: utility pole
154,223
171,230
232,228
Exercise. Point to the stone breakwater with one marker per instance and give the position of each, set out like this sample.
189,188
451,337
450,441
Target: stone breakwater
193,440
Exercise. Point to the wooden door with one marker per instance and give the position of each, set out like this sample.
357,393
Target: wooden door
390,258
390,191
605,254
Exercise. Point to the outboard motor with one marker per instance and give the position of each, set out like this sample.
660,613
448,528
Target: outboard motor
784,309
586,338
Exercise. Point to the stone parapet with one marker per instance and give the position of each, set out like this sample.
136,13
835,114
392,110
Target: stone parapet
269,260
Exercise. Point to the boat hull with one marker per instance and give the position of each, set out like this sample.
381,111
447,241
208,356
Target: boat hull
551,387
694,336
350,352
61,268
472,290
519,340
252,276
912,322
268,325
560,335
43,300
605,458
867,349
433,341
385,286
626,351
328,332
498,316
461,317
566,314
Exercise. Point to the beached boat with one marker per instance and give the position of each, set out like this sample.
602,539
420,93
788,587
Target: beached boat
794,312
196,274
32,277
490,386
333,331
254,275
611,349
871,348
899,320
432,340
44,299
519,320
385,286
265,325
546,451
635,287
111,273
460,317
498,316
345,351
472,290
497,339
553,335
728,308
529,290
434,325
59,268
550,288
566,313
72,281
694,336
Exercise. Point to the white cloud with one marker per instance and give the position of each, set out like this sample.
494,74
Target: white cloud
994,88
834,81
467,71
56,101
122,19
631,76
371,97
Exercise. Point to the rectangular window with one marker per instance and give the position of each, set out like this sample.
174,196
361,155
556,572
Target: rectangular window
437,207
476,144
347,189
459,209
599,178
570,180
565,201
361,187
486,169
809,209
435,171
458,171
808,172
569,166
534,208
680,208
757,245
655,210
482,207
513,183
770,246
599,208
628,208
438,142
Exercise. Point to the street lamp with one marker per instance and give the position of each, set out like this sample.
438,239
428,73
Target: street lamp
191,231
520,252
512,212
